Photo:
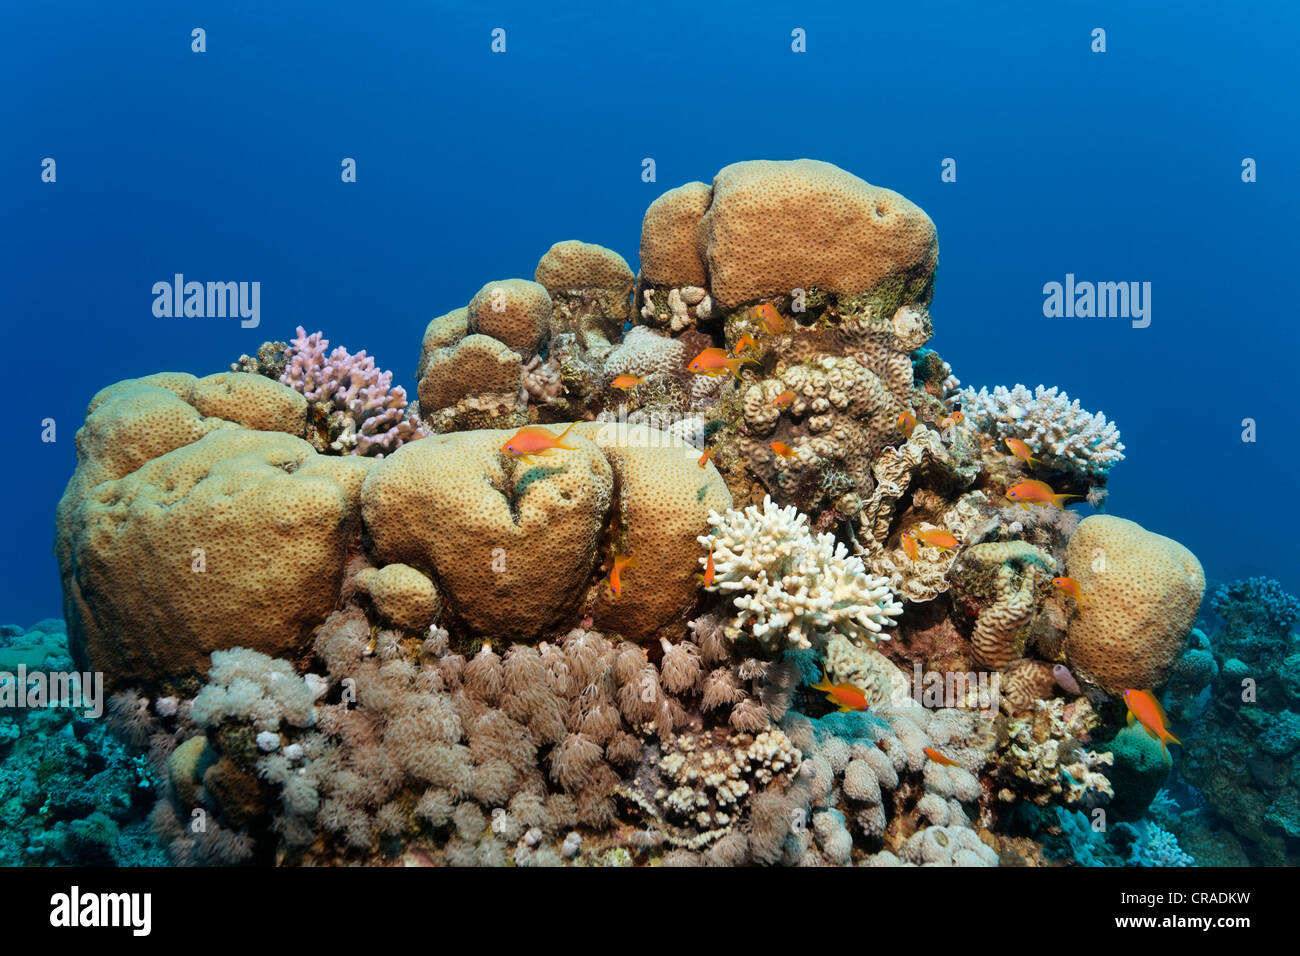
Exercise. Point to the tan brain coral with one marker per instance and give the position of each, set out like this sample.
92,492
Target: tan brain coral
253,401
583,265
664,499
670,255
236,539
511,544
475,365
515,311
442,332
1145,591
402,595
777,226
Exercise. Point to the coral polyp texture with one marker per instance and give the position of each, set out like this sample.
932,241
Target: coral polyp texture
707,564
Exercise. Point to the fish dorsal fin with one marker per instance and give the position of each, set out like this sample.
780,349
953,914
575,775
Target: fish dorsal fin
1164,719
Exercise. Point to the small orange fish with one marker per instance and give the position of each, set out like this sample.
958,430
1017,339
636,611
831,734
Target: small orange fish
909,545
746,341
621,563
936,538
534,439
708,569
784,400
940,758
1021,451
782,449
708,453
956,418
906,423
1146,710
715,361
771,319
846,697
1071,587
626,382
1036,492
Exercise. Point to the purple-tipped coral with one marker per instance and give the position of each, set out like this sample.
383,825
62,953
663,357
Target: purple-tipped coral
365,413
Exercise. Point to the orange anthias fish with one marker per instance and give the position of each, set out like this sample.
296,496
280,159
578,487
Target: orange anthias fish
940,758
784,400
708,569
746,341
715,361
846,697
936,538
708,453
1146,710
956,418
782,449
1037,493
771,319
1071,587
534,439
1021,451
909,545
626,382
621,563
906,423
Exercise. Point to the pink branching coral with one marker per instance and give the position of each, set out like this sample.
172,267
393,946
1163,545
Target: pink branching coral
366,413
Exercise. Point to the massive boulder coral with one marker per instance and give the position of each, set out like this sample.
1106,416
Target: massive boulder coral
670,254
664,500
514,543
590,289
515,311
772,227
511,544
237,538
1145,591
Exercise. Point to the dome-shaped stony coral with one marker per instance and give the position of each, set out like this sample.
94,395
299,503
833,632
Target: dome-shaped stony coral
776,226
1143,593
670,254
515,311
238,538
402,595
583,265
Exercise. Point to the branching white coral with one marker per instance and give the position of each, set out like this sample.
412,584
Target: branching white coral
794,589
1057,430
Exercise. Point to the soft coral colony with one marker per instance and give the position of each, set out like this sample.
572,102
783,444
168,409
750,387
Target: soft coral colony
385,635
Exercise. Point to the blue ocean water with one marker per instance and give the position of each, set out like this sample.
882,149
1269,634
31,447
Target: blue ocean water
225,165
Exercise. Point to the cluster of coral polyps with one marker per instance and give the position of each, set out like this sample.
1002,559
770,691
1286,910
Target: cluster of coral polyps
603,652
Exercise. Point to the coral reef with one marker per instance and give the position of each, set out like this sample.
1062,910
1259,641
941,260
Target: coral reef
1243,751
784,614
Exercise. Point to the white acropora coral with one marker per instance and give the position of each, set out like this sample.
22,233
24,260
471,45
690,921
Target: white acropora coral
1056,430
794,588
